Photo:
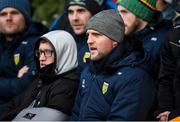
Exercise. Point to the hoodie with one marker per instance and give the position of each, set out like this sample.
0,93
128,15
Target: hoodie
55,86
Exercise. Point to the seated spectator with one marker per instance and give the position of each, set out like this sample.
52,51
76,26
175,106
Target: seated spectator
167,7
62,22
74,21
169,75
115,86
142,20
18,35
51,95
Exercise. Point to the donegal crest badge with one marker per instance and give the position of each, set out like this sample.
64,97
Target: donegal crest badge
16,59
105,87
86,56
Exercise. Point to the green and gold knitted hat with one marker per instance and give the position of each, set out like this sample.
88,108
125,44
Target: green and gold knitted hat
144,9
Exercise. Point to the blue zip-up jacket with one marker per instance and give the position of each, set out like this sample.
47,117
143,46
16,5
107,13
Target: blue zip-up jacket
83,52
13,56
117,87
152,38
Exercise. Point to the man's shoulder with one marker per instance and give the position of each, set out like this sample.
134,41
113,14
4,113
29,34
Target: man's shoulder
35,30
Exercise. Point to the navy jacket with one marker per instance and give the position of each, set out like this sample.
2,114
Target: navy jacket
115,88
83,52
152,38
13,56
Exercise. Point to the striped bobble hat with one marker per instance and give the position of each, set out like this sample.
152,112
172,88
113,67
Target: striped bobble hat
144,9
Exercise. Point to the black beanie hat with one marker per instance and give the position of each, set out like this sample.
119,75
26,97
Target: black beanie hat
109,23
91,5
22,5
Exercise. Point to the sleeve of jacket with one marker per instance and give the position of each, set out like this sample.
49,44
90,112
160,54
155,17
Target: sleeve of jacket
62,96
132,101
12,108
20,102
76,108
166,74
12,86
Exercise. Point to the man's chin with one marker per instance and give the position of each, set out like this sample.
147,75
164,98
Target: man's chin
95,58
78,32
42,66
10,32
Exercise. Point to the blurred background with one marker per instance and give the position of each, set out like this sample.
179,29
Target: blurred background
45,11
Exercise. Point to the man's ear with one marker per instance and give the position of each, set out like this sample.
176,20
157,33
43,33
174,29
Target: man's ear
115,43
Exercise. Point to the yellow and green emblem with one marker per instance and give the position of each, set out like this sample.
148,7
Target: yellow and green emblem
105,87
86,56
16,59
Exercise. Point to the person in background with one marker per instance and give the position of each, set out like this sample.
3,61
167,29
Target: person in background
169,75
51,96
17,39
167,7
62,22
78,13
141,20
115,86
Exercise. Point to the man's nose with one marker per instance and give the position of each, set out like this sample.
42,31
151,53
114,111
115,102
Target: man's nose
9,16
75,16
42,56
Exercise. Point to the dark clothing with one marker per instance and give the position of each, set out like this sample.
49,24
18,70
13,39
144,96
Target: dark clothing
13,56
62,23
169,75
58,94
83,52
116,87
56,84
152,38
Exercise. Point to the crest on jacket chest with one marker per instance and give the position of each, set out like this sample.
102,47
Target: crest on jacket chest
105,87
86,57
16,58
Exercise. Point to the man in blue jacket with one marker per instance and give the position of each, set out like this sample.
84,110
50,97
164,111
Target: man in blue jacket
142,20
78,12
17,38
116,85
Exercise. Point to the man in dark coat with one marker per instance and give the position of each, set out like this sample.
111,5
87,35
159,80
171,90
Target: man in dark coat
116,85
51,95
17,39
78,12
169,75
142,20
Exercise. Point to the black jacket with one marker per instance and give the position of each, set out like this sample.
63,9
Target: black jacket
169,75
55,85
57,93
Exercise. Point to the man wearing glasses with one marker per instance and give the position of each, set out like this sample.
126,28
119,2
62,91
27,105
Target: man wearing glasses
51,95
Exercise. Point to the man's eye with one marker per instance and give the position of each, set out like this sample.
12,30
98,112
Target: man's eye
3,14
47,51
81,10
15,13
70,12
